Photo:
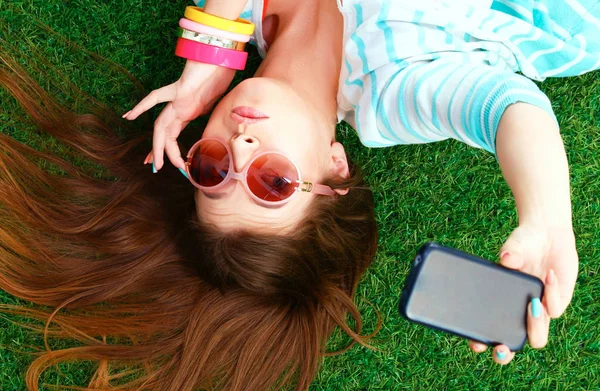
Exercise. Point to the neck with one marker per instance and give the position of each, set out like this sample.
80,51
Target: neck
306,50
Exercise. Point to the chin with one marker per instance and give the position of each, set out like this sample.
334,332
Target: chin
263,88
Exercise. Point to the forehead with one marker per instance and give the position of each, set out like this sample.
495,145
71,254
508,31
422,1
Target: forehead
236,210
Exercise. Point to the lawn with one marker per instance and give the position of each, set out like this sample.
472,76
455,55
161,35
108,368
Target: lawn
445,192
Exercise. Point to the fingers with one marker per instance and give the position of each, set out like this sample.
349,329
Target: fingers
166,141
512,252
502,354
174,153
159,139
477,347
166,129
552,298
161,95
538,324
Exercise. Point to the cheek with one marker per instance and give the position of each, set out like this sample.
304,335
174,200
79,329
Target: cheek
310,159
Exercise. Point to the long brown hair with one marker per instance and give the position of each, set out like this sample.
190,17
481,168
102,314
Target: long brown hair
121,264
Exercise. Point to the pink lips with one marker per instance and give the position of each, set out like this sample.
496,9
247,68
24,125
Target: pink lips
247,115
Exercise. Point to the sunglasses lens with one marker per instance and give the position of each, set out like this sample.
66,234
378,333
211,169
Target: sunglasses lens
272,177
210,163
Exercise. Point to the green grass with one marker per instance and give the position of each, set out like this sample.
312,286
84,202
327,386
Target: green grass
445,192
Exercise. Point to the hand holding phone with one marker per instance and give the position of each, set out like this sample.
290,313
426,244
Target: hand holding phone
461,294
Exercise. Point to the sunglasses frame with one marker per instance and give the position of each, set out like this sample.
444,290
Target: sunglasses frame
303,186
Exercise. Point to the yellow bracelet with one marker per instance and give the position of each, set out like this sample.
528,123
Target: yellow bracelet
239,26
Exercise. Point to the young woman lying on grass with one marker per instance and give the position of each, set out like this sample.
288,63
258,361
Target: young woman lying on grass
399,72
241,289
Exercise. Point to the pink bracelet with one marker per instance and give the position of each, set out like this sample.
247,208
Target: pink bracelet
208,54
200,28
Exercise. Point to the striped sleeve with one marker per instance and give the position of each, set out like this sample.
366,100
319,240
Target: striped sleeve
436,100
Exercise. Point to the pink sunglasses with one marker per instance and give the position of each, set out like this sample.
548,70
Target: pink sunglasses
270,178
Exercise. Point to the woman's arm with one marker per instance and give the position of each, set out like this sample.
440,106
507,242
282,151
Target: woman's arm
504,113
500,111
533,160
194,94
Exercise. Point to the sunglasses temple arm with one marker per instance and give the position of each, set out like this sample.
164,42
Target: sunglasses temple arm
323,190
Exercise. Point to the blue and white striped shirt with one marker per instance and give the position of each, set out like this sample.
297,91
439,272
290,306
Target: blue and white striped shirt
429,70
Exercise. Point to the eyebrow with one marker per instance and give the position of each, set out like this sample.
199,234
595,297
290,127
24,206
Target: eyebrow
216,196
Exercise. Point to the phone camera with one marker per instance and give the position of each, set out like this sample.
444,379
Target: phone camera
417,259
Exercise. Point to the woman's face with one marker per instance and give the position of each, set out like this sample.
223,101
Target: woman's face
290,125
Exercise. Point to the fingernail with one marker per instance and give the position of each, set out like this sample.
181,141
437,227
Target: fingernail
154,169
126,114
500,354
504,254
184,173
536,308
551,278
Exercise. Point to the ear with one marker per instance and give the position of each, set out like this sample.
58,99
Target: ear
339,164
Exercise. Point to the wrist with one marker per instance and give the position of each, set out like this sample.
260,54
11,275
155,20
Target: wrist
226,9
195,66
558,217
195,70
197,44
550,234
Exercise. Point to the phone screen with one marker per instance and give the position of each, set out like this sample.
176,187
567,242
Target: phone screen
475,299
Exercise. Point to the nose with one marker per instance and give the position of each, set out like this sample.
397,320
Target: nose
243,147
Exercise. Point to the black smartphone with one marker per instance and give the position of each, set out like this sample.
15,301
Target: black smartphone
452,291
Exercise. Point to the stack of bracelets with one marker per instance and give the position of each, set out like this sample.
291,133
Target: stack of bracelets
213,40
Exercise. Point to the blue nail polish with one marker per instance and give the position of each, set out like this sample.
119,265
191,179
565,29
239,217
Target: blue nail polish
154,169
184,173
500,355
536,308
